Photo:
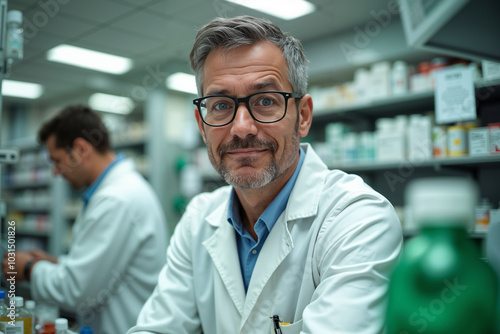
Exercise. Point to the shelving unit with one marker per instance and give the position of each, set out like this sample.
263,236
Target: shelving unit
391,177
35,200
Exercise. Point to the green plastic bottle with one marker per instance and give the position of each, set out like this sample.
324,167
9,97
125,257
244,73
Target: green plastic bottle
441,285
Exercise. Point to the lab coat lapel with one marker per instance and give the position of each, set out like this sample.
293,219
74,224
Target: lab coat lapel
276,247
222,249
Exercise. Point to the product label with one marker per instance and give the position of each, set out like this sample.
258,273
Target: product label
18,327
494,137
455,97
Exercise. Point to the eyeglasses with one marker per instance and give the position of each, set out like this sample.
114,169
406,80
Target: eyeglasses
264,107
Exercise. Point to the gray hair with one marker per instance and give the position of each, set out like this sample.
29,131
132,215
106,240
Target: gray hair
230,33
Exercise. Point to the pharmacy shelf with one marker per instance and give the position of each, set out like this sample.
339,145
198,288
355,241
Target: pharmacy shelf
395,105
31,185
404,104
473,234
136,144
436,164
29,233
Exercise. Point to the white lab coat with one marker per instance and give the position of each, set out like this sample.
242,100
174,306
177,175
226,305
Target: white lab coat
118,249
323,268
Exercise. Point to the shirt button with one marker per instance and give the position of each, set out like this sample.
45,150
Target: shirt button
254,252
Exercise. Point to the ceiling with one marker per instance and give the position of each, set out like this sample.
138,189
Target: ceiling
156,34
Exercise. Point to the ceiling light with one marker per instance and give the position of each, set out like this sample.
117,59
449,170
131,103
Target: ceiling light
25,90
182,82
284,9
111,103
86,58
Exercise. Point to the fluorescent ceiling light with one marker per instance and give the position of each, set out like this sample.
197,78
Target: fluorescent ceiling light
86,58
284,9
182,82
25,90
111,103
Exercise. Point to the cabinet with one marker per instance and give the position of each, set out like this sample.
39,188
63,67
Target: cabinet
391,178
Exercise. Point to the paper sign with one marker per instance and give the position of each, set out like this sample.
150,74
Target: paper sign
455,98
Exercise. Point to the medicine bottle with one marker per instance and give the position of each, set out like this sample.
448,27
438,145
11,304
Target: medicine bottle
440,284
61,326
14,44
30,307
3,309
17,320
86,330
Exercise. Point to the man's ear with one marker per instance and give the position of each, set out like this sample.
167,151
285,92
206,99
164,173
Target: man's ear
305,115
200,124
82,148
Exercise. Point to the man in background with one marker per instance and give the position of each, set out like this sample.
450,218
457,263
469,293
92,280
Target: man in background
119,238
289,243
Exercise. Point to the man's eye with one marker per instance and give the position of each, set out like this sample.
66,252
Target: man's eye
221,106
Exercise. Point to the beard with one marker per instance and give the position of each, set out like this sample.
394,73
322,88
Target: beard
273,169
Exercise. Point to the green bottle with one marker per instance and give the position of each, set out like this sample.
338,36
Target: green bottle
440,285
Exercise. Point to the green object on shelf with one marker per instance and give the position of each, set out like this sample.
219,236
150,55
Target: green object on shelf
179,204
440,284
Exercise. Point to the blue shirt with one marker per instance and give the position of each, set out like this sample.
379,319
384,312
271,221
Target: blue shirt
93,187
248,248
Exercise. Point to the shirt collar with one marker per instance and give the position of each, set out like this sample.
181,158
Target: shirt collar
93,187
273,211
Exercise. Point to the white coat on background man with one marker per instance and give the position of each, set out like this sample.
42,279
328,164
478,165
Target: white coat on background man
114,258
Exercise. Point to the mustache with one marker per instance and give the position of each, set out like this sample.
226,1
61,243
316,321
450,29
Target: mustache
251,142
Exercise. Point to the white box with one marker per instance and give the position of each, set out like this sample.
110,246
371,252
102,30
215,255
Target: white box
479,141
419,138
491,70
494,130
380,78
390,146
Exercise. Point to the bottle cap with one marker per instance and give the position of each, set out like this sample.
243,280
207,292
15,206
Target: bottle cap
15,16
443,201
19,301
30,304
61,323
2,294
86,330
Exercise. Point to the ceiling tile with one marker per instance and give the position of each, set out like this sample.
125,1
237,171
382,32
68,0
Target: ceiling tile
117,41
96,10
36,22
143,23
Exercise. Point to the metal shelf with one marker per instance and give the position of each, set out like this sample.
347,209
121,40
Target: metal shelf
437,164
405,104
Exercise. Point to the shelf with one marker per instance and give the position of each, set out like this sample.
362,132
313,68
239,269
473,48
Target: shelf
44,234
404,104
437,164
472,234
29,209
129,144
22,186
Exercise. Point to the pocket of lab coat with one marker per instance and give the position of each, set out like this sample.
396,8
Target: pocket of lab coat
294,328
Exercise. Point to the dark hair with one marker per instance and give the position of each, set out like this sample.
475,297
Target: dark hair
76,122
230,33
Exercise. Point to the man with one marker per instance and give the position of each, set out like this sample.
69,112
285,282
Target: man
119,238
290,243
